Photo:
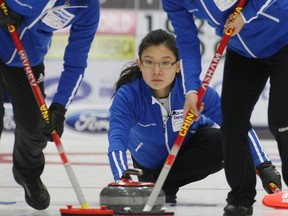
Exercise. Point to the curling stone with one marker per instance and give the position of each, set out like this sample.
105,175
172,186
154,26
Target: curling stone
126,193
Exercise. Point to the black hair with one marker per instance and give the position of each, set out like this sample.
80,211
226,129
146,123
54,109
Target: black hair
156,37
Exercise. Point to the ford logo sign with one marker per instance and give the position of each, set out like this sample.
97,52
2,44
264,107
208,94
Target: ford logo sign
90,121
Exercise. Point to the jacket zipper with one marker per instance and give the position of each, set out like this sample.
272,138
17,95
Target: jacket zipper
165,133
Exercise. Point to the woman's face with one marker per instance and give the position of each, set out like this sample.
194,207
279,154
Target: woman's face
158,76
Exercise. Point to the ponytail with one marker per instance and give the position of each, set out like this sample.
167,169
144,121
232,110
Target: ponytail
130,73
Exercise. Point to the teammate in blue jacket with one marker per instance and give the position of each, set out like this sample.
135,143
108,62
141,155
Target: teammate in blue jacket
147,114
257,51
36,21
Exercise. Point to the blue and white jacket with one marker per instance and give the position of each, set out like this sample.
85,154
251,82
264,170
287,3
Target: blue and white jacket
265,31
40,19
139,123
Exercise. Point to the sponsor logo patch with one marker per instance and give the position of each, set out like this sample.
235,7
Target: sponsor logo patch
58,19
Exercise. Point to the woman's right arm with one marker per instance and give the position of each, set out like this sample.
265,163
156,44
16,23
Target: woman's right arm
187,41
188,45
121,121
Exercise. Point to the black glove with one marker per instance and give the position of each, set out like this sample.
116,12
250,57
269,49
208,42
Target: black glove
269,174
56,120
11,19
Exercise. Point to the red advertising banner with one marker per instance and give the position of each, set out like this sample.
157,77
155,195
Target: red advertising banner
117,22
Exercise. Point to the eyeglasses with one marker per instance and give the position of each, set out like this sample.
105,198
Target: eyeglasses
162,65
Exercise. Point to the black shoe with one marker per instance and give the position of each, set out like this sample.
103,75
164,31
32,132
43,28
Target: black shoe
36,194
171,199
269,174
237,210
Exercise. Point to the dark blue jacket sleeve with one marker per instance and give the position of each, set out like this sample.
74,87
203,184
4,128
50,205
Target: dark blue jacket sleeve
82,33
122,119
188,43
